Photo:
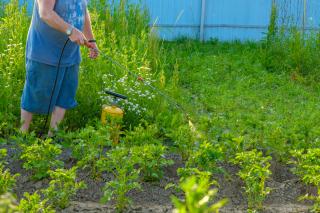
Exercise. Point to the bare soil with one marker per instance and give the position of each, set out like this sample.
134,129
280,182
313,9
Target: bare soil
286,188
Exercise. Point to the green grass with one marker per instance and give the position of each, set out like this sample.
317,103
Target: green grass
227,82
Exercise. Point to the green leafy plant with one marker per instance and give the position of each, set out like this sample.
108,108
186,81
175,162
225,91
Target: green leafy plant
185,172
206,157
3,154
151,160
184,140
62,187
141,135
254,172
198,196
32,203
8,203
40,157
7,124
7,181
307,167
88,146
121,164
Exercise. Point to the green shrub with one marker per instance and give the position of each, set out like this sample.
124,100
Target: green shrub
62,187
198,197
254,172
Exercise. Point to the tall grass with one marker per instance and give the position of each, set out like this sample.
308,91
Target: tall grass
286,49
13,32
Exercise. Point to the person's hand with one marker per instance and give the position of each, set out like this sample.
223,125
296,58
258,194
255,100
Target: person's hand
78,37
93,49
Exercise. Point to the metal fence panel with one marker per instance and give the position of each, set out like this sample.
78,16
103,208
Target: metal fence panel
290,12
237,19
225,19
313,14
178,18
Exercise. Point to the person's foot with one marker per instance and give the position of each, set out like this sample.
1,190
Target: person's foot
24,130
51,133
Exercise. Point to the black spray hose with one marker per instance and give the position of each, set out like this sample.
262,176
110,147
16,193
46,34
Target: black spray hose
53,89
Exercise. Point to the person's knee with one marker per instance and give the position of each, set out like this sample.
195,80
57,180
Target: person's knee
25,115
59,110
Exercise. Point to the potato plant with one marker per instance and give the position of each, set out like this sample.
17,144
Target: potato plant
206,157
184,140
121,164
185,173
40,157
151,160
3,154
198,197
7,180
254,171
88,146
62,187
307,167
142,135
8,203
32,203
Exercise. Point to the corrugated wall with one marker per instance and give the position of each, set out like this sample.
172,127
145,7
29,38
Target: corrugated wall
226,19
237,19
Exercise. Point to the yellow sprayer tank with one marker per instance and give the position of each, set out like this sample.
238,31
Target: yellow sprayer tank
111,112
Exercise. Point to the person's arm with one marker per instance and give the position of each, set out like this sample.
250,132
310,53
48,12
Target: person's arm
87,30
49,16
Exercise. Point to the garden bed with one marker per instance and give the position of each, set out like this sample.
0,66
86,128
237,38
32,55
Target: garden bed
286,188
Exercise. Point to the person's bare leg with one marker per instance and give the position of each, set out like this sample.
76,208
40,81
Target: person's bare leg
26,118
56,118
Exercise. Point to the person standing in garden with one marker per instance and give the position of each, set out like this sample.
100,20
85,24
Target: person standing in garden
53,23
